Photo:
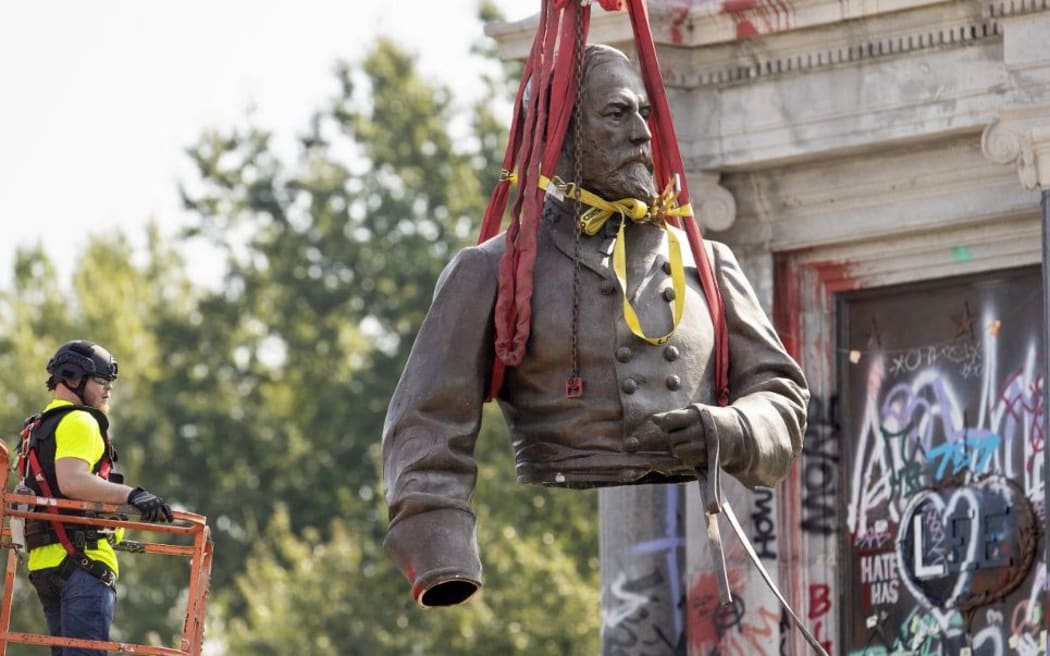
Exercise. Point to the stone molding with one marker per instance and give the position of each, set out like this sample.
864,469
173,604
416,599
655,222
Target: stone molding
1020,136
841,111
696,23
1016,7
941,67
761,67
865,198
693,24
911,257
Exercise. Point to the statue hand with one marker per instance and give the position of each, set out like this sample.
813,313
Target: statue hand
685,433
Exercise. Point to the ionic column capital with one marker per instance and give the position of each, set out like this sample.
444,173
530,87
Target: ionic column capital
713,204
1020,136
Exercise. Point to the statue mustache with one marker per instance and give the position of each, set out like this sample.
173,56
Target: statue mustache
637,156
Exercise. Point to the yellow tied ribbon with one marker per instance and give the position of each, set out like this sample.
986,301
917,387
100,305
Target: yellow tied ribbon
602,210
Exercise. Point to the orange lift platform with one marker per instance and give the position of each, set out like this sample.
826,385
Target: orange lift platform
190,526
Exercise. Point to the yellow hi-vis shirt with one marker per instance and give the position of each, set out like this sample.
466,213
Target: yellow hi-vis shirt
76,436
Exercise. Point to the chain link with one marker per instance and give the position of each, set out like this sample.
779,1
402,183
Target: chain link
574,386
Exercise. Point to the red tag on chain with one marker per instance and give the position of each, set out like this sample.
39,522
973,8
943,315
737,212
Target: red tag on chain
574,387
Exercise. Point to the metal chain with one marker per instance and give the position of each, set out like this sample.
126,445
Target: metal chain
574,386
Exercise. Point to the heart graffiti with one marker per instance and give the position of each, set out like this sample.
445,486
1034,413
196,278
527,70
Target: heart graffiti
967,546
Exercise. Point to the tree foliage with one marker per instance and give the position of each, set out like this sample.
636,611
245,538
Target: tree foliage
342,596
260,402
117,303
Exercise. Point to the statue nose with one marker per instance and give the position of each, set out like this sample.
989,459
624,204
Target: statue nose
640,130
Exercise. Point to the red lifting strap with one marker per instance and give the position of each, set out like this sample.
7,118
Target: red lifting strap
534,146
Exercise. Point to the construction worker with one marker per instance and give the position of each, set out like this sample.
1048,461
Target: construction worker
68,455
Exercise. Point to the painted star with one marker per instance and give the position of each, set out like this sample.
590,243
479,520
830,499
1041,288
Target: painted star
964,323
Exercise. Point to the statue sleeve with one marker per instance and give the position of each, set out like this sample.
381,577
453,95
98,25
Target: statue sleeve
763,426
432,423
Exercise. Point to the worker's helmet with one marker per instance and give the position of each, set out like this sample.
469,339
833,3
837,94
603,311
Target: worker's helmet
80,358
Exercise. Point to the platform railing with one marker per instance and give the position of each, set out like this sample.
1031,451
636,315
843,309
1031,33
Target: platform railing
186,524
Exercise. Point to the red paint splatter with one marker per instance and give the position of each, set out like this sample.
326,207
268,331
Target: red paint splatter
787,308
831,277
736,6
706,620
679,17
834,276
753,17
745,28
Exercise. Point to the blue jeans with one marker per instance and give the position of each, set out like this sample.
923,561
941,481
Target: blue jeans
80,607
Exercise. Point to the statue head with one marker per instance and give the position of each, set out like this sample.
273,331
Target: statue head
615,141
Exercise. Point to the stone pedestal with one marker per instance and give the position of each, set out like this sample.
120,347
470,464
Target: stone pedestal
643,570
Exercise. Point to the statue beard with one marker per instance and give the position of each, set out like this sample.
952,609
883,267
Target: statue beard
628,176
632,180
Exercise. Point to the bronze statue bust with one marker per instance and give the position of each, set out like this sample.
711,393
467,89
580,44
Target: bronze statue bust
639,419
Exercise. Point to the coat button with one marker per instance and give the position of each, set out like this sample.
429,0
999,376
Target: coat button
673,382
623,354
666,266
629,386
671,353
607,287
669,294
631,444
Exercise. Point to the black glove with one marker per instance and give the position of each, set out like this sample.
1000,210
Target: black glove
151,506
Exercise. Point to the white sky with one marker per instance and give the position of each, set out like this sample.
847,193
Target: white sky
98,100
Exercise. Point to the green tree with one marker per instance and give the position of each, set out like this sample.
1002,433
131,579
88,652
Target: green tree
340,595
34,306
260,403
332,261
332,267
116,302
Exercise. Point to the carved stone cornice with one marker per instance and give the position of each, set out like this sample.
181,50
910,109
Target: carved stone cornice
1020,136
1003,8
875,197
696,23
797,55
806,34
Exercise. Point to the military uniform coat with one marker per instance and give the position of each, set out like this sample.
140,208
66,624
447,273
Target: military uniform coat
605,437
